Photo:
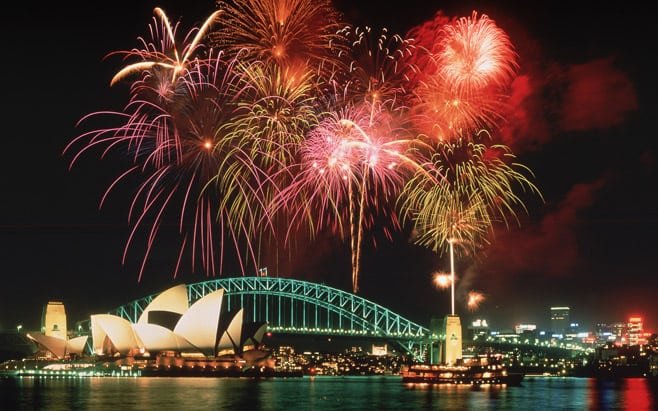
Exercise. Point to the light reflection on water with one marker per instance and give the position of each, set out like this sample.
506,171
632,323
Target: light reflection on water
321,393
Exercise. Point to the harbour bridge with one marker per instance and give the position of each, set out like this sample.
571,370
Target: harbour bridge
297,307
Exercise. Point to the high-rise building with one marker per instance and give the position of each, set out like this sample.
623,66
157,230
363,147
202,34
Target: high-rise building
610,332
635,331
559,319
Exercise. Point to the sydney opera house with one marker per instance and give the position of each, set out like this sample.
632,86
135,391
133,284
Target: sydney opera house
169,324
169,332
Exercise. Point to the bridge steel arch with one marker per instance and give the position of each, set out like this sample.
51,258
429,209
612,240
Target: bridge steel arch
302,307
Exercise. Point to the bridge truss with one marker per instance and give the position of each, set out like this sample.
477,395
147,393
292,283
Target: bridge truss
300,307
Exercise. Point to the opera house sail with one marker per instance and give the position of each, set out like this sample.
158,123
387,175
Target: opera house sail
170,325
53,341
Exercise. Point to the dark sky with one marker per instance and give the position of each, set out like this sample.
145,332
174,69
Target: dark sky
585,124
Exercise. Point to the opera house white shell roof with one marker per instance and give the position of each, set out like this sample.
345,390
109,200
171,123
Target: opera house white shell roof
173,300
59,347
169,324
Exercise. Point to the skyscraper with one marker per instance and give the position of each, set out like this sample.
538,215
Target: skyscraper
635,331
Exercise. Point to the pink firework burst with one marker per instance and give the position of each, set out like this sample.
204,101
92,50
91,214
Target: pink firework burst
352,165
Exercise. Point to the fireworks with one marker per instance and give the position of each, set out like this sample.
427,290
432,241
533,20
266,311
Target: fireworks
168,56
469,66
293,34
475,54
470,186
474,300
351,166
442,280
173,130
275,118
378,69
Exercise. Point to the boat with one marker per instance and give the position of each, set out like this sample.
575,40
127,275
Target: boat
473,374
64,368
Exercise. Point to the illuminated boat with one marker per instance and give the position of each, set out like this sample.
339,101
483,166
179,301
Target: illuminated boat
64,368
473,374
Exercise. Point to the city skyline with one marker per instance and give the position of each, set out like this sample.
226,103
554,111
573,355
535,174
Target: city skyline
588,246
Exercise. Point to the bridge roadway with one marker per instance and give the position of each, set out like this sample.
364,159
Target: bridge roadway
299,307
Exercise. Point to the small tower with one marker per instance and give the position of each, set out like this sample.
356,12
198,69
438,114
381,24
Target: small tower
53,320
453,344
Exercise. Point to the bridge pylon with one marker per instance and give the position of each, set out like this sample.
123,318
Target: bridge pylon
452,348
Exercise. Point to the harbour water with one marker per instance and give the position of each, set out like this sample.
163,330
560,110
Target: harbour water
320,393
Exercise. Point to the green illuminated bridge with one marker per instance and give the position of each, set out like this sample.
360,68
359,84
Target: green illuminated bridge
300,307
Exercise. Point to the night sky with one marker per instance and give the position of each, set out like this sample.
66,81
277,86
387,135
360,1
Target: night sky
585,125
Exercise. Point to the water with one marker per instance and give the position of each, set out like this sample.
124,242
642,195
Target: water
321,393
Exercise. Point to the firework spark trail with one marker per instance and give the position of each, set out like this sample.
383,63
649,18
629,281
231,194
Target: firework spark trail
167,39
478,188
440,217
349,165
293,34
379,161
190,123
173,127
378,69
475,54
374,86
441,112
273,112
288,50
154,90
